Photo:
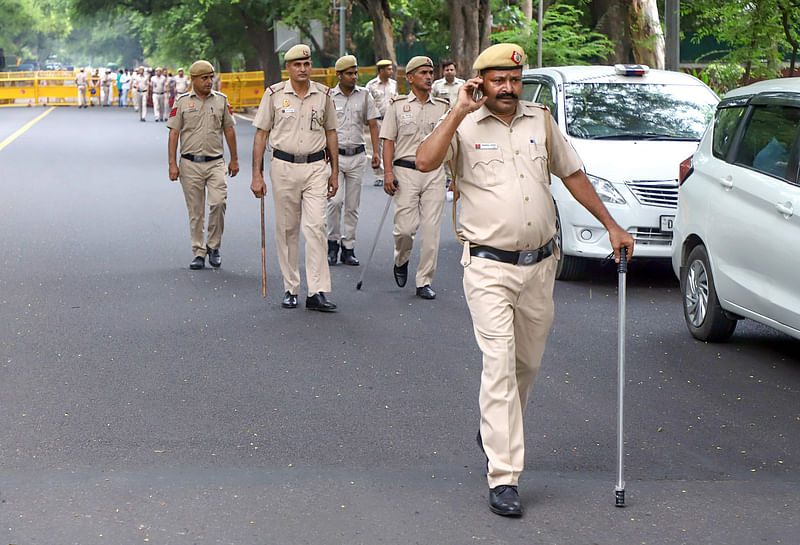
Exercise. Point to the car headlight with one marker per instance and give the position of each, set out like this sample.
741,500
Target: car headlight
605,190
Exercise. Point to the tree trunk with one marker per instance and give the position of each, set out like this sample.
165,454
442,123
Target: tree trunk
468,20
612,17
486,27
262,39
527,10
647,37
381,15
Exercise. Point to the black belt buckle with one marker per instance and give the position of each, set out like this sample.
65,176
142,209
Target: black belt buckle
300,159
528,257
198,159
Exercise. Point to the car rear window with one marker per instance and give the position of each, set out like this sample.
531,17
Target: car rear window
638,111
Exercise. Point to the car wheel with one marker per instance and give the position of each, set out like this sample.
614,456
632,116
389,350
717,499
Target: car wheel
569,267
701,309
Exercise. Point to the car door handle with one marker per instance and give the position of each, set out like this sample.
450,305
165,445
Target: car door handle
726,182
786,209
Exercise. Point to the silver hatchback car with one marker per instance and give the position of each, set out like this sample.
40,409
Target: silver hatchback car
737,229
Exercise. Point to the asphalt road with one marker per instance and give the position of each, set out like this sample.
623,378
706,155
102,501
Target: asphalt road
146,403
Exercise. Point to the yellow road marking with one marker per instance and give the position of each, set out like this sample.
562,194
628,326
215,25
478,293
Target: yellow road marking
24,128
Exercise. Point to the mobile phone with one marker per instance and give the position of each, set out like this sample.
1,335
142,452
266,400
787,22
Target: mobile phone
477,94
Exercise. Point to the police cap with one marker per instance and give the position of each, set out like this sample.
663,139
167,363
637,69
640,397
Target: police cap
500,57
299,52
201,68
346,62
417,62
383,62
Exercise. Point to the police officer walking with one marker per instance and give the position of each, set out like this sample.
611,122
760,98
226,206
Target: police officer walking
105,87
418,196
298,120
199,120
504,149
354,109
181,82
158,84
447,87
82,81
139,89
383,89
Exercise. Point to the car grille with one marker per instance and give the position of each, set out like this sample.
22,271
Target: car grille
662,193
651,236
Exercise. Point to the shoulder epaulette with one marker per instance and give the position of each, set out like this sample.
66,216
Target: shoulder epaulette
180,96
321,87
276,87
537,105
398,97
220,93
442,100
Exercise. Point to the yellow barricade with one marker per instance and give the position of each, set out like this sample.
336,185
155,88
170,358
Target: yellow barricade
57,88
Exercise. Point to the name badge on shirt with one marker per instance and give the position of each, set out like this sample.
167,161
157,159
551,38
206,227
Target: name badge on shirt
406,116
485,146
288,110
339,108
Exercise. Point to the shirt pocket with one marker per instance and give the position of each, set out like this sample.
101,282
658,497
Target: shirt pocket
538,154
285,116
486,166
406,127
191,119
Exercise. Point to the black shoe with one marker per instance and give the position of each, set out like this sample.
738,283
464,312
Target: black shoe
214,259
320,303
401,274
197,263
348,257
504,500
426,292
333,252
289,300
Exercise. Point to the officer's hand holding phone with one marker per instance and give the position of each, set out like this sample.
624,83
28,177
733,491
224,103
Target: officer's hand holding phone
470,96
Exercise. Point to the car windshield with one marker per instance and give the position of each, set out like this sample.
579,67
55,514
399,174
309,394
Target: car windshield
638,111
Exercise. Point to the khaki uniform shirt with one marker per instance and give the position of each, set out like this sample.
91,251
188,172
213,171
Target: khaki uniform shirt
200,122
447,91
383,93
139,82
296,125
502,176
105,79
181,84
352,113
408,121
159,83
81,80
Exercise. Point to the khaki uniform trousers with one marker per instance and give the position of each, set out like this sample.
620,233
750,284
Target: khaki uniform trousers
512,311
197,179
81,95
160,106
300,191
105,95
378,172
135,99
348,197
141,100
418,201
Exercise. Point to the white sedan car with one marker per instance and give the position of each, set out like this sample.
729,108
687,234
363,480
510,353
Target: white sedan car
737,231
630,126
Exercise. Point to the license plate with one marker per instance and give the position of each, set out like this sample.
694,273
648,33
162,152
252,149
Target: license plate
667,223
